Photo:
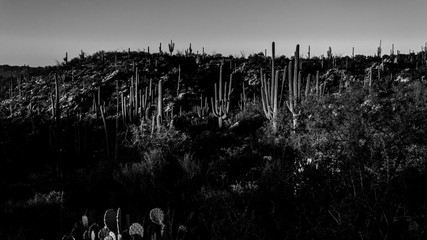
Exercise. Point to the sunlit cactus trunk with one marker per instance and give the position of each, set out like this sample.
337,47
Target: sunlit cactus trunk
269,93
294,89
160,105
221,101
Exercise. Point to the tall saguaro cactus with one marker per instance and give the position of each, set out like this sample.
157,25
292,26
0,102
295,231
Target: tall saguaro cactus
269,93
179,80
221,101
294,88
57,106
160,105
379,50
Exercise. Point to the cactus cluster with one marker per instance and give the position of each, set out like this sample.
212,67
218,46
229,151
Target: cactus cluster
203,108
113,230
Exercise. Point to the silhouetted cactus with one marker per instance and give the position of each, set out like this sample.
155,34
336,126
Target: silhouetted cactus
171,47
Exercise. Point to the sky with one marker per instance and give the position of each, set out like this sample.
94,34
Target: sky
39,32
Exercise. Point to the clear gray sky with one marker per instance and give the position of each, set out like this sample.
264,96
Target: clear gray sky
39,32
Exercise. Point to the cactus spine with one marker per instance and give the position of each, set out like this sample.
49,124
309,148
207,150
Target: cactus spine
221,101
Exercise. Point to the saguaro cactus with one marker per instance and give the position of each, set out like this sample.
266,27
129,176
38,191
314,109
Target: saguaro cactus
203,109
160,105
179,80
171,47
82,56
329,53
294,89
221,101
379,49
269,93
243,99
57,106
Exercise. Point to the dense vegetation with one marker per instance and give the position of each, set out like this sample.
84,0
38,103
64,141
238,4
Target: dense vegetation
333,149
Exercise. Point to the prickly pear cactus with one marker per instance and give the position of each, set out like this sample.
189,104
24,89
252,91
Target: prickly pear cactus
110,220
68,237
136,229
119,221
93,229
103,233
112,235
86,235
157,216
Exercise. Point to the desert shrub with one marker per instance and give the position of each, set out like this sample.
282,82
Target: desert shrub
354,153
225,214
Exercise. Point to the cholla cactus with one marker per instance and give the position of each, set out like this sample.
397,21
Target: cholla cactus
110,220
136,229
157,216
